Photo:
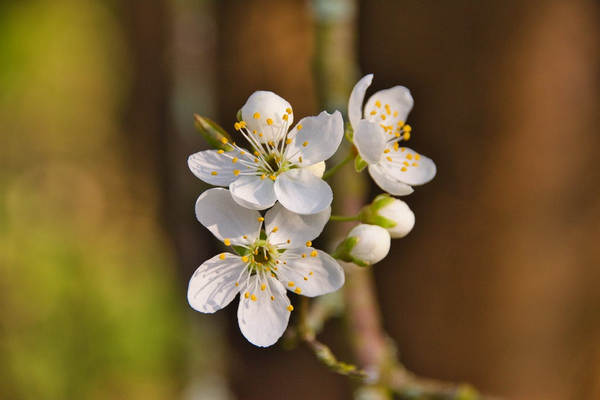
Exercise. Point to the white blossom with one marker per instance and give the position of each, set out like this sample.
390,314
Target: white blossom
378,131
281,166
276,254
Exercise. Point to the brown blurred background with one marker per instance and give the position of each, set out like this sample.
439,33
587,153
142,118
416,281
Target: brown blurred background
497,285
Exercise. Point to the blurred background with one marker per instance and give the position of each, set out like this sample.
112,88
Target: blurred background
498,284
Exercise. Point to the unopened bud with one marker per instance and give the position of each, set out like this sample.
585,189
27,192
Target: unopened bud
213,133
389,213
365,245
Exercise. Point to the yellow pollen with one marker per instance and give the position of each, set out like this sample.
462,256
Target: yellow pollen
285,117
415,164
298,290
214,173
305,278
272,298
308,244
397,134
222,256
272,177
243,124
373,112
290,308
263,286
313,253
303,255
269,121
242,153
256,153
396,146
274,276
402,149
224,140
234,160
406,135
260,219
288,141
387,109
300,159
220,151
406,163
310,273
255,160
299,127
417,156
260,134
236,172
407,128
263,176
227,242
256,115
271,143
288,241
389,158
288,110
236,126
305,144
383,117
245,237
245,258
290,283
400,123
253,298
386,151
275,229
403,169
246,295
237,284
395,114
409,156
378,104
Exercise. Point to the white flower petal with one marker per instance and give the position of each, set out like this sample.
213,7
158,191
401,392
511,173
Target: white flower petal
253,192
263,316
300,191
388,182
370,141
318,139
389,106
216,210
356,100
296,228
317,169
309,272
264,113
409,167
213,285
214,168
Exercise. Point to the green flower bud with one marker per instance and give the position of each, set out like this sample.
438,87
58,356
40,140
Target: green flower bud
213,133
389,213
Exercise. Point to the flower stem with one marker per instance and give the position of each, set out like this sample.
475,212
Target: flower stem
336,167
344,218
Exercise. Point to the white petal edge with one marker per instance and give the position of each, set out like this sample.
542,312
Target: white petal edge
296,228
310,272
267,106
318,139
420,169
212,167
300,191
216,210
357,97
370,140
387,182
253,192
262,321
213,284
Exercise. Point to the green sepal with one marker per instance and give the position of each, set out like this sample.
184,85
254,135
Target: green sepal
359,163
213,133
238,116
240,250
369,213
342,252
349,133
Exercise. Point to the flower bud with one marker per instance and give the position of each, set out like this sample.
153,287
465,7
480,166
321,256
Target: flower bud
389,213
213,133
365,245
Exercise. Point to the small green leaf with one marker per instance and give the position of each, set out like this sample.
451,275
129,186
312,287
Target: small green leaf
213,133
359,163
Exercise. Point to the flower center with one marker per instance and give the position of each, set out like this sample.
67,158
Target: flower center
262,256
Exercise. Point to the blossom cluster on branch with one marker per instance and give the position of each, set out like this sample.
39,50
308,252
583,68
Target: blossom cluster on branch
277,202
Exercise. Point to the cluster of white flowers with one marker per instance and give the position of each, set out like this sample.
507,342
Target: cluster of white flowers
282,173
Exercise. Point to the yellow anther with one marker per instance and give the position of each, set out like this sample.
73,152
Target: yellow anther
373,112
222,256
263,287
253,297
220,151
237,284
308,244
406,135
288,110
263,176
227,242
260,134
415,164
236,172
275,268
300,159
310,273
400,123
396,146
387,109
288,141
245,258
395,114
409,156
275,229
273,275
291,284
407,128
272,298
255,160
298,290
305,278
245,237
290,308
303,255
242,153
254,131
224,140
386,151
402,149
214,173
403,169
406,163
304,144
256,153
288,242
256,115
246,295
234,160
269,121
378,104
243,124
417,156
299,127
260,219
236,126
272,177
383,117
389,158
313,253
397,134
